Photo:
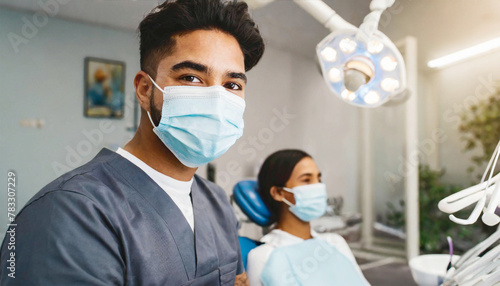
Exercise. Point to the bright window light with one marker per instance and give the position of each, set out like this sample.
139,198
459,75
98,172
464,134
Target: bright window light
465,54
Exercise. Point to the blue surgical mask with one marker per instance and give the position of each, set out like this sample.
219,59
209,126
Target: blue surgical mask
310,201
198,124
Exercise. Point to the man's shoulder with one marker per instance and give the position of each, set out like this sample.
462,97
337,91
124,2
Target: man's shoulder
88,180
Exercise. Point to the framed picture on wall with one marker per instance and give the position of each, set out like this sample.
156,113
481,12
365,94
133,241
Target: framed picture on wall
104,82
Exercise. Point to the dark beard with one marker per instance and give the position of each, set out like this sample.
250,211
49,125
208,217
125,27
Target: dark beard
155,113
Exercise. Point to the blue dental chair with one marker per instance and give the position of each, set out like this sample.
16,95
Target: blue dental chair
246,196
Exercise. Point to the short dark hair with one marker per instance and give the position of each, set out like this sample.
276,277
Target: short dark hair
276,171
182,16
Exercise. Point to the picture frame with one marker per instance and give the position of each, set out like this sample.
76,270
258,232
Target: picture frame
104,94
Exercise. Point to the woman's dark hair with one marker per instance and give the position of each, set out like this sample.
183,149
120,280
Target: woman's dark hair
275,171
177,17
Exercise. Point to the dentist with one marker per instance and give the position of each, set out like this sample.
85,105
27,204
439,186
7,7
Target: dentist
140,216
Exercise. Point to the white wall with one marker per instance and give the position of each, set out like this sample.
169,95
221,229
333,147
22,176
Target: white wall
443,27
388,141
458,87
327,129
44,79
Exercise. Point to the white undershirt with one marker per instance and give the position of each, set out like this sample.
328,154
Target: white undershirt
178,191
258,256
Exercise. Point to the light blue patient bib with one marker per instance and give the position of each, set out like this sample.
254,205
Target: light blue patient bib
313,262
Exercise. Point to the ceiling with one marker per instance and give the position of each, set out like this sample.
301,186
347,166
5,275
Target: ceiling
286,26
444,26
441,26
282,23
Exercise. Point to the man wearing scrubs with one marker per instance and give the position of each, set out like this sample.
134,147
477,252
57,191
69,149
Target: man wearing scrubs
140,216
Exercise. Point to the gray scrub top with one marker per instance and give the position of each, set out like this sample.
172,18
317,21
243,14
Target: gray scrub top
108,223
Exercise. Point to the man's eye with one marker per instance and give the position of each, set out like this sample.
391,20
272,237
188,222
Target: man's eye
191,78
233,86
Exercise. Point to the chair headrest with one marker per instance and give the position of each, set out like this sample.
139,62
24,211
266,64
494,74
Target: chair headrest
247,197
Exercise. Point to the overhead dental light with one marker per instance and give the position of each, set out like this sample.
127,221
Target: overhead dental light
369,70
362,66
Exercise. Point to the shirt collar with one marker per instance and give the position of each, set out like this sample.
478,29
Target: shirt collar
161,179
278,237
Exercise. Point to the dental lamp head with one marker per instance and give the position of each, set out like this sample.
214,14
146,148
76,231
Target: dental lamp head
361,65
365,72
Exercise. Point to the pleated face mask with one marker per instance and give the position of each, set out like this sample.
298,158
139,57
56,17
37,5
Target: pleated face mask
310,201
198,124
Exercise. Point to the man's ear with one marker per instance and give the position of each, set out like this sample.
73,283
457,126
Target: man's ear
277,193
143,90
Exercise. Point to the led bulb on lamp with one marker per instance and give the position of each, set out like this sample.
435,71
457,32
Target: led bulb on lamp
372,97
335,75
362,71
389,84
348,95
374,47
329,54
388,63
347,46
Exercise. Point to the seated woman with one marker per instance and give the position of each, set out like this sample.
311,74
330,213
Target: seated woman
293,254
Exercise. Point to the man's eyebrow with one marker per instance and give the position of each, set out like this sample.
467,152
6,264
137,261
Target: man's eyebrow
190,65
204,69
238,75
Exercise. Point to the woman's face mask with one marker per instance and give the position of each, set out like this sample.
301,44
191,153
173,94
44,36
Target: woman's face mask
310,201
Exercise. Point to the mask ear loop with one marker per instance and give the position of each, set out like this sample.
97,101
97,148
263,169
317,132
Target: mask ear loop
149,114
151,120
157,86
285,200
482,202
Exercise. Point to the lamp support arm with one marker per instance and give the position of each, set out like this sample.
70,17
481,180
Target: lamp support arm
371,21
325,15
333,21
